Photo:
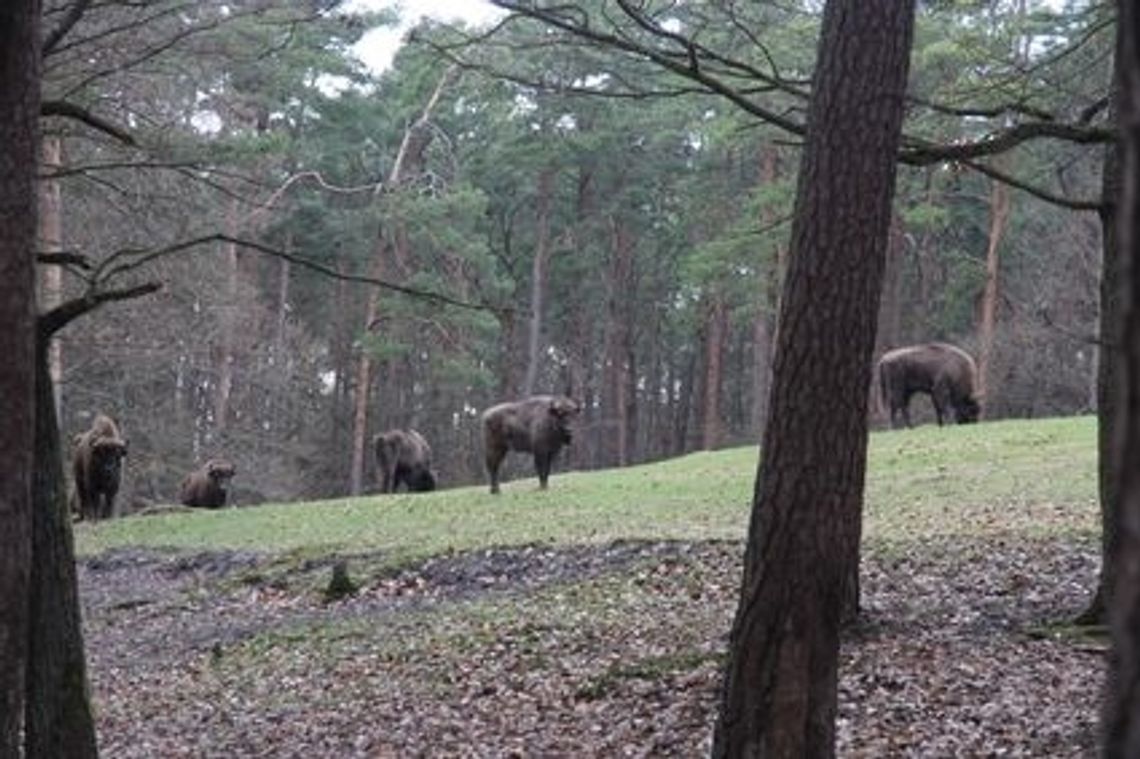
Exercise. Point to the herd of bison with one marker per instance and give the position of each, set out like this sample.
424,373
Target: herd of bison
539,425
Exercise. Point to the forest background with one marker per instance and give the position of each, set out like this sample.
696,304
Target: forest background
594,225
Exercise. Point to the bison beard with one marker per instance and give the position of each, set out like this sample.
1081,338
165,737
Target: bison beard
539,425
97,467
403,456
947,373
206,487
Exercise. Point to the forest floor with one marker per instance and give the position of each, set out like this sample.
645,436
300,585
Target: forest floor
590,650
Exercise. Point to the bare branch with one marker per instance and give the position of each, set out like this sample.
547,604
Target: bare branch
921,153
47,324
66,24
990,113
72,111
77,260
127,260
1037,192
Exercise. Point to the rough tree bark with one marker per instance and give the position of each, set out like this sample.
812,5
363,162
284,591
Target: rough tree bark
19,145
59,718
779,695
1121,718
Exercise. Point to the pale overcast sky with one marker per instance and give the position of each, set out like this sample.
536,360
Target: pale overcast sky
377,47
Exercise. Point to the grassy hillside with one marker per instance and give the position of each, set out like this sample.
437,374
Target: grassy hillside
1026,477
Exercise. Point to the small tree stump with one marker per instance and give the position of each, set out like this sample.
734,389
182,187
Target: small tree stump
341,585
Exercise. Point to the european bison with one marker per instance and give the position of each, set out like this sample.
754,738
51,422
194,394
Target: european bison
539,425
403,457
945,372
97,465
206,487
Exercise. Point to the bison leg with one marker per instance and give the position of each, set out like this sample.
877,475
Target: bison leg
107,503
900,408
495,457
542,463
941,397
388,477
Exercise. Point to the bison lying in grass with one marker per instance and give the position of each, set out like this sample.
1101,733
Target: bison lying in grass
206,487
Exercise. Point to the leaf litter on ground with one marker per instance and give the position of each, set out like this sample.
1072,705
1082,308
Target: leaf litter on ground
595,650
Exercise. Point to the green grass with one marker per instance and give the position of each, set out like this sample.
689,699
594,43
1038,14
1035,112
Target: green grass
1031,477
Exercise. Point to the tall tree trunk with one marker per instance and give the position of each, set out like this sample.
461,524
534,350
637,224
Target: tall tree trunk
619,298
1121,718
51,241
416,139
59,721
890,306
361,389
764,326
538,277
761,369
716,322
229,326
779,697
508,386
999,216
1106,380
19,146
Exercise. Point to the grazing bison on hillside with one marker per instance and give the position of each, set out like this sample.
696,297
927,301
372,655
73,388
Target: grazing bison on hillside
206,487
97,458
539,425
403,456
945,372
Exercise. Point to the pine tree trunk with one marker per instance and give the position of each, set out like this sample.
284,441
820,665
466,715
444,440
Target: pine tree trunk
538,277
764,324
1121,718
225,366
1110,281
715,325
51,241
59,721
361,389
19,146
999,215
780,690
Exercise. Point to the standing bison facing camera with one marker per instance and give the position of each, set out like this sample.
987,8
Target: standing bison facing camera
539,425
403,456
947,373
97,465
206,487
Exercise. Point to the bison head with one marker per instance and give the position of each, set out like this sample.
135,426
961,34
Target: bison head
106,458
563,410
968,411
219,471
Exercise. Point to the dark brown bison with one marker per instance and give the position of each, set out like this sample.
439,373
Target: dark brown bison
206,487
539,425
403,457
947,373
97,459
